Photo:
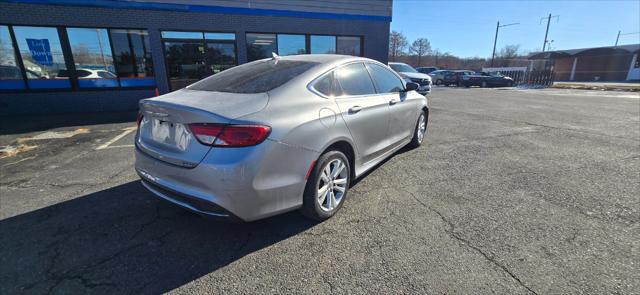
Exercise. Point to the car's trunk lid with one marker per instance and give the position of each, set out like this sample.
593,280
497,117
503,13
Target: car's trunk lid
164,131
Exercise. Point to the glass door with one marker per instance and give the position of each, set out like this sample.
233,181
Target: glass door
192,56
185,62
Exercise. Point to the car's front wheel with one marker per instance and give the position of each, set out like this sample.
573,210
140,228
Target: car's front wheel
327,186
439,82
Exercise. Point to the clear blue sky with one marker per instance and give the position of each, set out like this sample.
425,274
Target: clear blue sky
467,28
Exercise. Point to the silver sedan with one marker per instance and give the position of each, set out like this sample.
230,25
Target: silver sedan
276,135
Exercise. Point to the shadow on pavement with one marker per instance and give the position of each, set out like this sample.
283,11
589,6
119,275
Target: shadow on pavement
124,240
31,123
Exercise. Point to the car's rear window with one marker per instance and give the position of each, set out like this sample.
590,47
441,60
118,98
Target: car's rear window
257,77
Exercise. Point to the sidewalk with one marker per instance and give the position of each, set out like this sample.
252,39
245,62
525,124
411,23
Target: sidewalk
625,86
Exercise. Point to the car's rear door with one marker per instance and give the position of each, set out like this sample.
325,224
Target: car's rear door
364,111
402,111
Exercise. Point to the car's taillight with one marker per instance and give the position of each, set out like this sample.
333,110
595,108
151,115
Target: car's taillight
230,135
139,119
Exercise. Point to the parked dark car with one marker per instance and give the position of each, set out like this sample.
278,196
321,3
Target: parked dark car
426,70
484,80
455,77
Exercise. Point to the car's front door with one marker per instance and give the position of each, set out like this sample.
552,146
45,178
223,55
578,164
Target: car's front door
402,110
364,111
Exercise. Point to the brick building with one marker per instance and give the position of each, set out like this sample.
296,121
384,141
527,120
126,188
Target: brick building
62,56
615,63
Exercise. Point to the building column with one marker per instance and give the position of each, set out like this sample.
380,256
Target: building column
573,69
634,73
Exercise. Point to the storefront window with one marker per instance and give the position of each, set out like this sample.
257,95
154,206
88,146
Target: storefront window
349,46
323,44
134,65
92,56
182,35
291,44
220,36
10,73
260,46
42,57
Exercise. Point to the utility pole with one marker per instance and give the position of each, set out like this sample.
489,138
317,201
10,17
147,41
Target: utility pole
546,34
619,34
495,40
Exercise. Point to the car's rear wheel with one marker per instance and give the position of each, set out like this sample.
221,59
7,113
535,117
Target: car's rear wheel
419,132
327,186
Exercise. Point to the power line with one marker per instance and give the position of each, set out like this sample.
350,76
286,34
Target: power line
546,34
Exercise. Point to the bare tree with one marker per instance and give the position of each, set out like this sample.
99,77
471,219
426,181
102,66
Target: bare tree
420,47
397,44
508,54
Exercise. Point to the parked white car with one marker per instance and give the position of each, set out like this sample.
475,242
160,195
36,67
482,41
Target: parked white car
412,75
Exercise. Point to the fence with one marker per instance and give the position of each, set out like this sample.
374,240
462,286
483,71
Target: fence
526,78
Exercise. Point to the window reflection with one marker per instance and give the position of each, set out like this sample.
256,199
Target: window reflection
41,54
92,56
133,57
349,46
323,44
260,46
10,74
291,44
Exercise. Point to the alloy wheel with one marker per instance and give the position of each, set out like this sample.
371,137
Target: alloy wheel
422,128
332,185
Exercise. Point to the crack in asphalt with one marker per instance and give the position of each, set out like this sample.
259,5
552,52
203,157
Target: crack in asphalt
465,242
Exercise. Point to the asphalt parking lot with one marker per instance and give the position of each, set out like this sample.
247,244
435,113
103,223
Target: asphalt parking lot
515,191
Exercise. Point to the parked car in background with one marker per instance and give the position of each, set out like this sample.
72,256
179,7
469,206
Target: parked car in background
438,76
426,70
455,77
411,75
484,80
276,135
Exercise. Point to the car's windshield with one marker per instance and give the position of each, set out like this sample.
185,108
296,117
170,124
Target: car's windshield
402,68
257,77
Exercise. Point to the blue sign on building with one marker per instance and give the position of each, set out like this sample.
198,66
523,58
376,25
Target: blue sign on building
40,51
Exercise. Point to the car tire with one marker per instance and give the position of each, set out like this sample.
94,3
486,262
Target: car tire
460,84
315,207
484,84
439,82
421,126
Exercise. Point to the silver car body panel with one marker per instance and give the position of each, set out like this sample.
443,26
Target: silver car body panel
267,179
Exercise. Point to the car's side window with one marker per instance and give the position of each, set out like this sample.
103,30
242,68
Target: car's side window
353,79
386,81
325,84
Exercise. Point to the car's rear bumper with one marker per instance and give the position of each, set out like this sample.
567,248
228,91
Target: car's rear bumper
238,183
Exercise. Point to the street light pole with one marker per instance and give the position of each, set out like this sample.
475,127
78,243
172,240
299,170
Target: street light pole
495,40
618,38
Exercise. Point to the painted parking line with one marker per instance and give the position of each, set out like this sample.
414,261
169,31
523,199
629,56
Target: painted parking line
124,133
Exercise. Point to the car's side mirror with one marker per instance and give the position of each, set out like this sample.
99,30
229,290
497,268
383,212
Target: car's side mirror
411,86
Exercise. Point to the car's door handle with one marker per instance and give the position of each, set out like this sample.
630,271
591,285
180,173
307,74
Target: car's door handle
393,101
355,109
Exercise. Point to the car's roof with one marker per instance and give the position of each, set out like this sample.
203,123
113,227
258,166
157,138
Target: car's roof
320,58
